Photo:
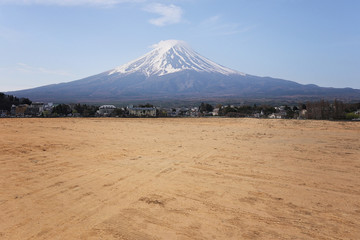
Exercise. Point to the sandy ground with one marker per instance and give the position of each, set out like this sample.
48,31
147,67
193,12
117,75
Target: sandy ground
179,179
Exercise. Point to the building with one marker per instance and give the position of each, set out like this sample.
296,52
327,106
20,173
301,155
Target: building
142,111
302,114
35,109
194,112
106,110
13,110
215,112
275,116
20,110
49,106
3,113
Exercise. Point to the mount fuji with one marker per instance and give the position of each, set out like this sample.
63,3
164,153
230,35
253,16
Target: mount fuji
173,71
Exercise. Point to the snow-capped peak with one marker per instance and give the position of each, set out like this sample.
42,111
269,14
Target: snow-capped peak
168,44
171,56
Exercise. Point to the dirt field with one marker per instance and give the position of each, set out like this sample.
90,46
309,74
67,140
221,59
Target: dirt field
179,179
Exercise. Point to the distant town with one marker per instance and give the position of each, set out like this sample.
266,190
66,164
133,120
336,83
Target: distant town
11,106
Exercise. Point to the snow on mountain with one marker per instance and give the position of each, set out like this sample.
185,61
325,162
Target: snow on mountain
169,57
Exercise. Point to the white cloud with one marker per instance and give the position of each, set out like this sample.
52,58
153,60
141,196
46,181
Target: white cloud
22,67
68,2
169,14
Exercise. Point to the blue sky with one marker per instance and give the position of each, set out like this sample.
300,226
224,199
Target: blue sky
307,41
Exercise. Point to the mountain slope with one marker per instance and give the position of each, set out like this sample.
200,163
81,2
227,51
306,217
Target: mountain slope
172,70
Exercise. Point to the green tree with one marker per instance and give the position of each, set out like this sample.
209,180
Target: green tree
205,108
62,110
6,101
350,116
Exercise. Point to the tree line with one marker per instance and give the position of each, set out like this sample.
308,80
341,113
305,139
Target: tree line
321,110
336,110
245,110
83,110
6,101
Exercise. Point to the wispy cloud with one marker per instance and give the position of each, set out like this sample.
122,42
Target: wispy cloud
169,14
105,3
218,26
211,20
23,67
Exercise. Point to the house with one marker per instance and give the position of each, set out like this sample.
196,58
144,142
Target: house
184,112
280,108
275,116
20,110
106,110
194,112
35,109
49,106
13,110
142,111
171,112
215,112
256,115
302,114
3,113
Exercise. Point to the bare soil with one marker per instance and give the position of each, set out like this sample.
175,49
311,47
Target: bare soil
179,179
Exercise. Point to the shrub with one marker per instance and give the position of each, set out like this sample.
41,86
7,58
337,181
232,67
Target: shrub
352,115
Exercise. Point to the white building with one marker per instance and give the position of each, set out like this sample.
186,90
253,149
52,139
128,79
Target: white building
106,110
215,112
